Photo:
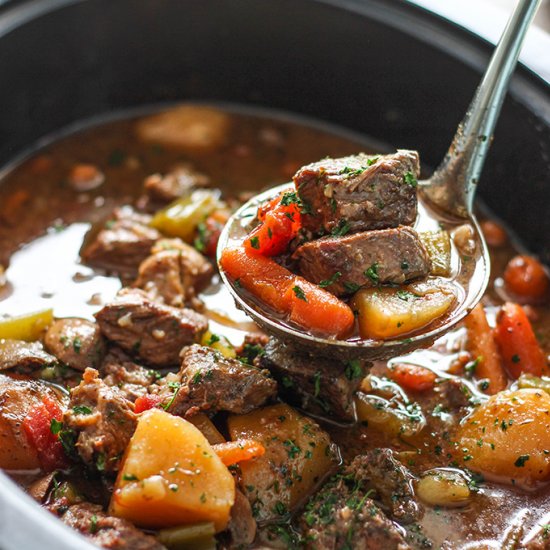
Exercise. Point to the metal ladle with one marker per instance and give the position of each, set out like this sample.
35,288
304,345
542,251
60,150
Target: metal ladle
445,200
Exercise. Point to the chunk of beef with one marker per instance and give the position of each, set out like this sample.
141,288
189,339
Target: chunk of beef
341,515
24,357
75,342
175,184
152,332
364,259
208,381
122,244
102,421
175,274
242,525
379,470
317,384
132,379
359,192
252,348
104,530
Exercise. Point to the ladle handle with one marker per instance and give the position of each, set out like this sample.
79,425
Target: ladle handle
453,185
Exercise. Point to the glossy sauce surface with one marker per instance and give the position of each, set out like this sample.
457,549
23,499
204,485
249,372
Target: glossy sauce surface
42,229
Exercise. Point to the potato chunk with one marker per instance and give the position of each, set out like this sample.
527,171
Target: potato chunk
508,437
189,127
389,312
438,246
298,455
171,476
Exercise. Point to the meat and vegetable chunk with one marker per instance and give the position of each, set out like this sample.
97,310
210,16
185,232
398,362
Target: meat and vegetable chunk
104,530
175,184
24,357
150,331
101,422
117,369
321,385
210,382
358,193
174,274
75,342
343,514
345,264
122,244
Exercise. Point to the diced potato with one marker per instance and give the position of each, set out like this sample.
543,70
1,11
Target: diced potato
205,425
27,327
508,437
438,246
390,312
171,476
189,127
219,343
379,414
535,382
443,488
298,455
181,217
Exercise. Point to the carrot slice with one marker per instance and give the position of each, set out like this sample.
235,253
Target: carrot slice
307,305
518,344
260,275
482,346
318,310
412,377
233,452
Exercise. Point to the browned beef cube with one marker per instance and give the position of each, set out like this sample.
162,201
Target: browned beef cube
392,482
317,384
24,357
359,192
363,259
174,274
122,244
103,530
102,421
341,515
152,332
210,382
75,342
175,184
132,379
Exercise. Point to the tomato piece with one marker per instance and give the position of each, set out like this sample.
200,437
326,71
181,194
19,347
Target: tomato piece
38,427
280,221
526,278
520,350
146,402
412,377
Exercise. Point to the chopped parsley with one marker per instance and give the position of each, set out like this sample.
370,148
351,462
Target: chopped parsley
353,369
410,179
372,273
300,294
93,524
289,198
55,426
332,280
520,462
255,242
77,344
130,477
341,229
351,287
213,339
82,409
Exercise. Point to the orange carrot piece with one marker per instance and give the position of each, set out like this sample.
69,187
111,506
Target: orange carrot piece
261,276
518,344
316,309
483,348
412,377
233,452
307,305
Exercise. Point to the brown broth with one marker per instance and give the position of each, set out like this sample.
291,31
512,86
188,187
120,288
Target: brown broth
42,231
